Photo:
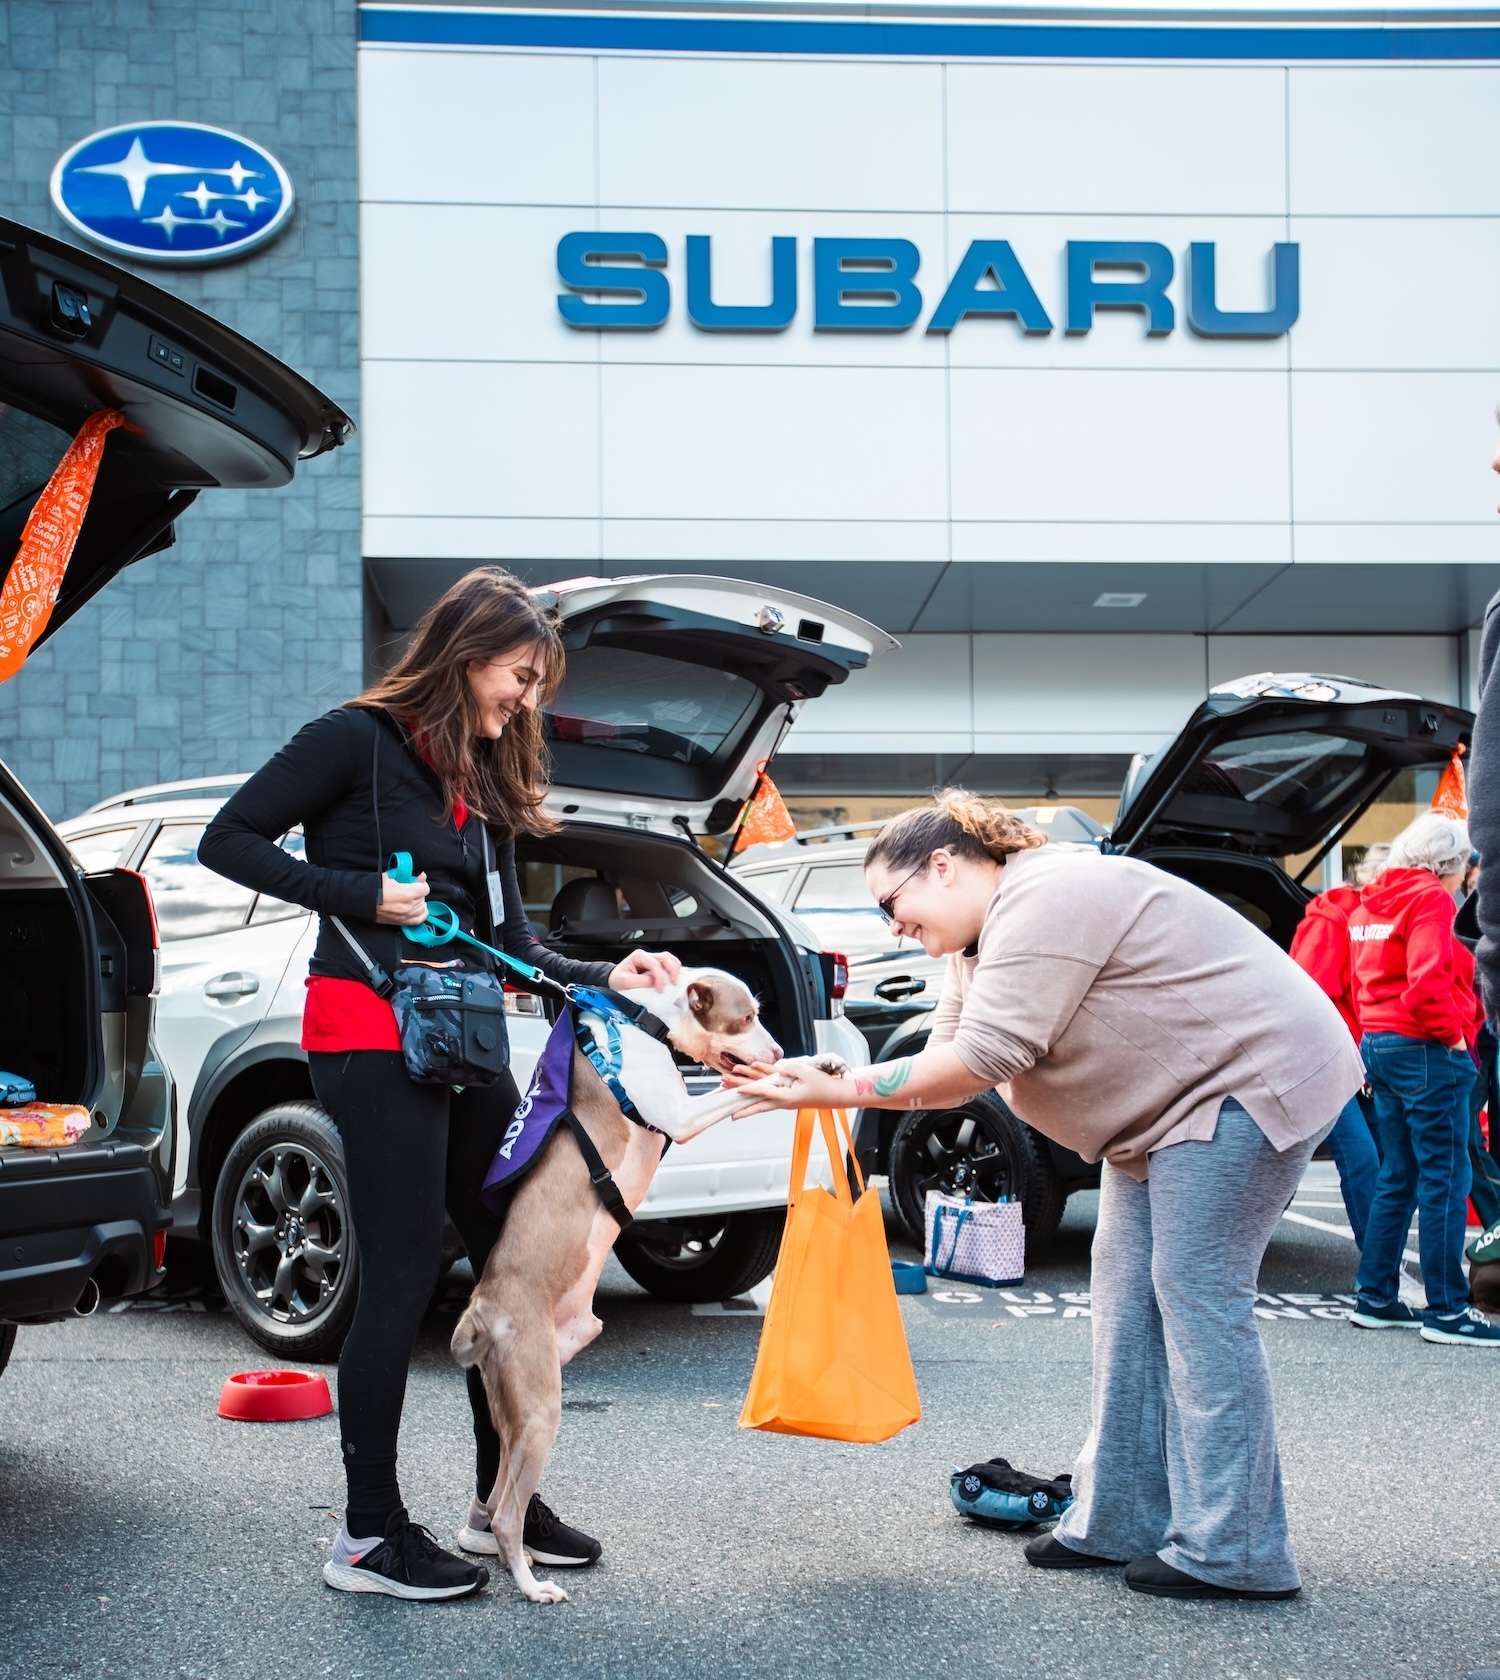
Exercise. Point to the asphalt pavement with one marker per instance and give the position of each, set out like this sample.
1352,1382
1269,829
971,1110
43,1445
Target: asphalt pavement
141,1535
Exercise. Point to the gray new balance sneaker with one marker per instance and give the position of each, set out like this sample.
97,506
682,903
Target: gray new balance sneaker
405,1562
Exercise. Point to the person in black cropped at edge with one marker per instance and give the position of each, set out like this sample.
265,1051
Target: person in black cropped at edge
452,738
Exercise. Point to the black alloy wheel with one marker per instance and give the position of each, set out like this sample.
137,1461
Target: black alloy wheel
283,1244
703,1259
979,1149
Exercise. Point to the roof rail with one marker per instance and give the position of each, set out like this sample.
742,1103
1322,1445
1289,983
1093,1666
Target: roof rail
160,791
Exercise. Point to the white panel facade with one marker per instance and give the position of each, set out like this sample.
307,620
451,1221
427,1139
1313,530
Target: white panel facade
1116,139
1425,665
458,440
1406,140
1377,447
475,128
1161,446
495,431
770,135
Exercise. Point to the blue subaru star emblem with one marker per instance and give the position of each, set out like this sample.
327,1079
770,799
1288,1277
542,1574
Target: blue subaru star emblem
169,192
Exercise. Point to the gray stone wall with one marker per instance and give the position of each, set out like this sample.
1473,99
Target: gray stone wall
204,659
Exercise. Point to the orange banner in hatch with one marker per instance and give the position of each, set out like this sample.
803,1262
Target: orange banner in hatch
47,543
1452,796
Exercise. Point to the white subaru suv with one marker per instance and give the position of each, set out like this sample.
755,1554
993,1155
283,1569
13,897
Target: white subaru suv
678,688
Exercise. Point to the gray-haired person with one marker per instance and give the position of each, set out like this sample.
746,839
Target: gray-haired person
1414,995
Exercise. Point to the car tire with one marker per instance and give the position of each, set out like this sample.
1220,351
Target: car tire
283,1243
977,1147
703,1259
7,1342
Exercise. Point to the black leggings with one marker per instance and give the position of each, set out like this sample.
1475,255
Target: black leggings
411,1151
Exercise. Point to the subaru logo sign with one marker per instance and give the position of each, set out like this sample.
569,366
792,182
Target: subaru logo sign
171,192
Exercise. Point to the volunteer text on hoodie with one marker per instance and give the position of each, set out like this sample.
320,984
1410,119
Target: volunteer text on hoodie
1411,976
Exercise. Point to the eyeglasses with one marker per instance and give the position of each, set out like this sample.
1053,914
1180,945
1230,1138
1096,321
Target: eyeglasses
887,905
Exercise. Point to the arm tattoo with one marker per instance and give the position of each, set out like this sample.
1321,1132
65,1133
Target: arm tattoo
883,1082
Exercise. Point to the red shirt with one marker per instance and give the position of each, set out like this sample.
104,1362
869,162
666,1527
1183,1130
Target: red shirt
1320,946
348,1014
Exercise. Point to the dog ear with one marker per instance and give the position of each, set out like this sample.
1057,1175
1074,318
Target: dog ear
700,997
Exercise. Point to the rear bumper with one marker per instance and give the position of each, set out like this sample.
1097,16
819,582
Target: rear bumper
69,1215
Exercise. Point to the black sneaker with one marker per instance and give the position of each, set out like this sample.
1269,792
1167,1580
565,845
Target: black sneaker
549,1540
407,1563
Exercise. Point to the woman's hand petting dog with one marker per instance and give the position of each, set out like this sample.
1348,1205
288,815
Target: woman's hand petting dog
803,1082
658,970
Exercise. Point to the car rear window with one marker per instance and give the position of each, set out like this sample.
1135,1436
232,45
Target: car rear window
636,702
771,882
1293,772
102,849
834,886
29,451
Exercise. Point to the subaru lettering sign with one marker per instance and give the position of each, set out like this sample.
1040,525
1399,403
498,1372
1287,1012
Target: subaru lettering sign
172,192
618,281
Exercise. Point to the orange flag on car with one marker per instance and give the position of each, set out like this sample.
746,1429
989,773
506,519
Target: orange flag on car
36,573
1452,796
767,819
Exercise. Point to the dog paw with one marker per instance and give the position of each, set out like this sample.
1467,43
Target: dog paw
545,1592
829,1063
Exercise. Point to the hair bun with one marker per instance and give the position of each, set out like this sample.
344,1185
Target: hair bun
957,821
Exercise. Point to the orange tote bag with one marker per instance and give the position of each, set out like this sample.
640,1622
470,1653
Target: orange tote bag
833,1360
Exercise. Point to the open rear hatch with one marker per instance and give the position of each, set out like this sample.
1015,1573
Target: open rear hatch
205,407
679,687
1280,765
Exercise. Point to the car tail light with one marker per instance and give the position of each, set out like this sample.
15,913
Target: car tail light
159,1248
838,979
145,886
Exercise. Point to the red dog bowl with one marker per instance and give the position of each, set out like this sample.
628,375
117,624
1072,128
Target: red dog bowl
275,1396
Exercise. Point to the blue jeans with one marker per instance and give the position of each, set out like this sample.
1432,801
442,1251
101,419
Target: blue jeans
1352,1145
1422,1114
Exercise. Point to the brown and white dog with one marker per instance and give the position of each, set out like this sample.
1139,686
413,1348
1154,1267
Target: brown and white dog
532,1309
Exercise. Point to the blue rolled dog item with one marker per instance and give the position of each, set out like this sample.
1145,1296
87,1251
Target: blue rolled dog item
996,1492
16,1089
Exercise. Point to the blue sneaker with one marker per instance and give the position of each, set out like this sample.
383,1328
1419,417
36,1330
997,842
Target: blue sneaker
1396,1316
1466,1329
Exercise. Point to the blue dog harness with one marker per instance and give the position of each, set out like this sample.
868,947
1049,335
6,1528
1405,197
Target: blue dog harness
608,1058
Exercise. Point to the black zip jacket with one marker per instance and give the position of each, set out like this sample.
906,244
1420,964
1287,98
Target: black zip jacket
322,779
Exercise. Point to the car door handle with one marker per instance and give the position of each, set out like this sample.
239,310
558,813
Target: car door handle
226,986
900,987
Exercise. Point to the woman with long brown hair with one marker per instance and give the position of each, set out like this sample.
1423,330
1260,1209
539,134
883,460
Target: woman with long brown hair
446,746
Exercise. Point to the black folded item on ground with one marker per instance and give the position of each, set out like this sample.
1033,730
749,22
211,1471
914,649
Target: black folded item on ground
995,1492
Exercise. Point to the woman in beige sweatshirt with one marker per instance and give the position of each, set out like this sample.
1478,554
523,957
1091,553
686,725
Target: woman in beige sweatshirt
1139,1021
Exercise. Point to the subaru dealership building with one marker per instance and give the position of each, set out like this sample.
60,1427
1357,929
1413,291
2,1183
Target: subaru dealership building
1098,356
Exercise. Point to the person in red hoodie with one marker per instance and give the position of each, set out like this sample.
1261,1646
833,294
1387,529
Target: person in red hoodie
1321,948
1414,999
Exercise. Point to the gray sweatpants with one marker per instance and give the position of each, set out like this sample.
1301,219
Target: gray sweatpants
1181,1459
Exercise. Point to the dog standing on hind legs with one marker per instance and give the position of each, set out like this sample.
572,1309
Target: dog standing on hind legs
532,1309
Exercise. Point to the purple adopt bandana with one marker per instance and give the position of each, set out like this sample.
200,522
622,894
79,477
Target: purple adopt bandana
536,1117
